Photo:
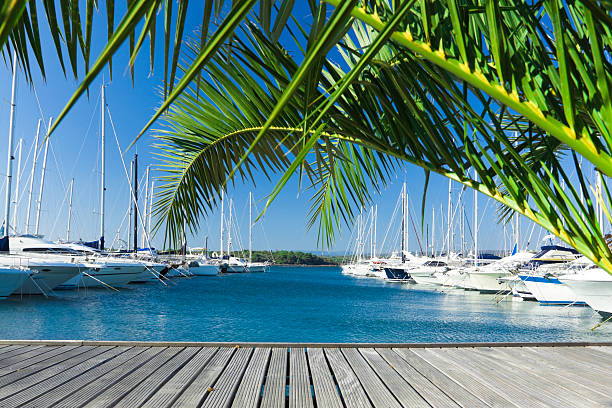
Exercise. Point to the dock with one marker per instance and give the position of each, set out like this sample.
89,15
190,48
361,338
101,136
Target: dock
277,375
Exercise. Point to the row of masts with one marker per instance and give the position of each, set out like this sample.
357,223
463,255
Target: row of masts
229,226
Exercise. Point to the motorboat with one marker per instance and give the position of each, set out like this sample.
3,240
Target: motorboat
53,264
203,267
593,285
11,279
486,278
540,275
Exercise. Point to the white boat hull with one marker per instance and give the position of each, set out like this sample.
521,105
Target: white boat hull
596,293
550,291
425,278
116,277
47,278
11,280
256,268
488,282
204,270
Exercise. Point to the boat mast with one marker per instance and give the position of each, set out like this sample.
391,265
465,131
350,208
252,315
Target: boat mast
129,240
9,162
135,203
42,179
433,231
102,167
69,210
17,183
222,219
403,223
407,217
375,222
229,228
250,228
31,189
146,209
150,212
475,221
448,227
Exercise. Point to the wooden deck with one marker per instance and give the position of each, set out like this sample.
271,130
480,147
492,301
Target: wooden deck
266,375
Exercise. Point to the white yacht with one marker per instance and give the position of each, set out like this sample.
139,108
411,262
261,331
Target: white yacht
232,264
486,278
12,279
257,266
426,274
594,286
540,275
104,269
52,263
203,266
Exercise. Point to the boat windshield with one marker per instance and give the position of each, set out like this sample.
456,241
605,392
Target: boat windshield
51,251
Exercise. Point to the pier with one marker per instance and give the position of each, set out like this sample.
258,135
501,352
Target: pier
155,374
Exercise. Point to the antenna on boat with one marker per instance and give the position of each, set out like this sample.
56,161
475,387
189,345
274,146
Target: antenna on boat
42,179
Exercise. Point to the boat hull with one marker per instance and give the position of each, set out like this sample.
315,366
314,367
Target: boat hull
11,280
102,277
256,268
550,291
397,275
48,278
204,270
488,282
595,293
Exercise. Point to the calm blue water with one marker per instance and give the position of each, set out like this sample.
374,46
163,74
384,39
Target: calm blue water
291,305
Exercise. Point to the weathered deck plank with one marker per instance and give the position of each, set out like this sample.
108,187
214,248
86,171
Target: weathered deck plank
351,390
276,380
300,393
589,391
70,374
249,392
118,389
402,390
379,395
326,394
227,384
172,389
102,383
152,382
426,389
202,384
463,377
84,381
63,374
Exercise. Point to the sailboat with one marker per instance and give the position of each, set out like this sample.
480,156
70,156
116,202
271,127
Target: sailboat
253,266
39,275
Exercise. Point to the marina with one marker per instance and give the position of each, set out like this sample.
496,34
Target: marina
137,374
292,304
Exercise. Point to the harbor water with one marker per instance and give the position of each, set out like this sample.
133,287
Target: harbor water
292,304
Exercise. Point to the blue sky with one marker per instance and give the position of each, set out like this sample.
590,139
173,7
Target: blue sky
75,153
